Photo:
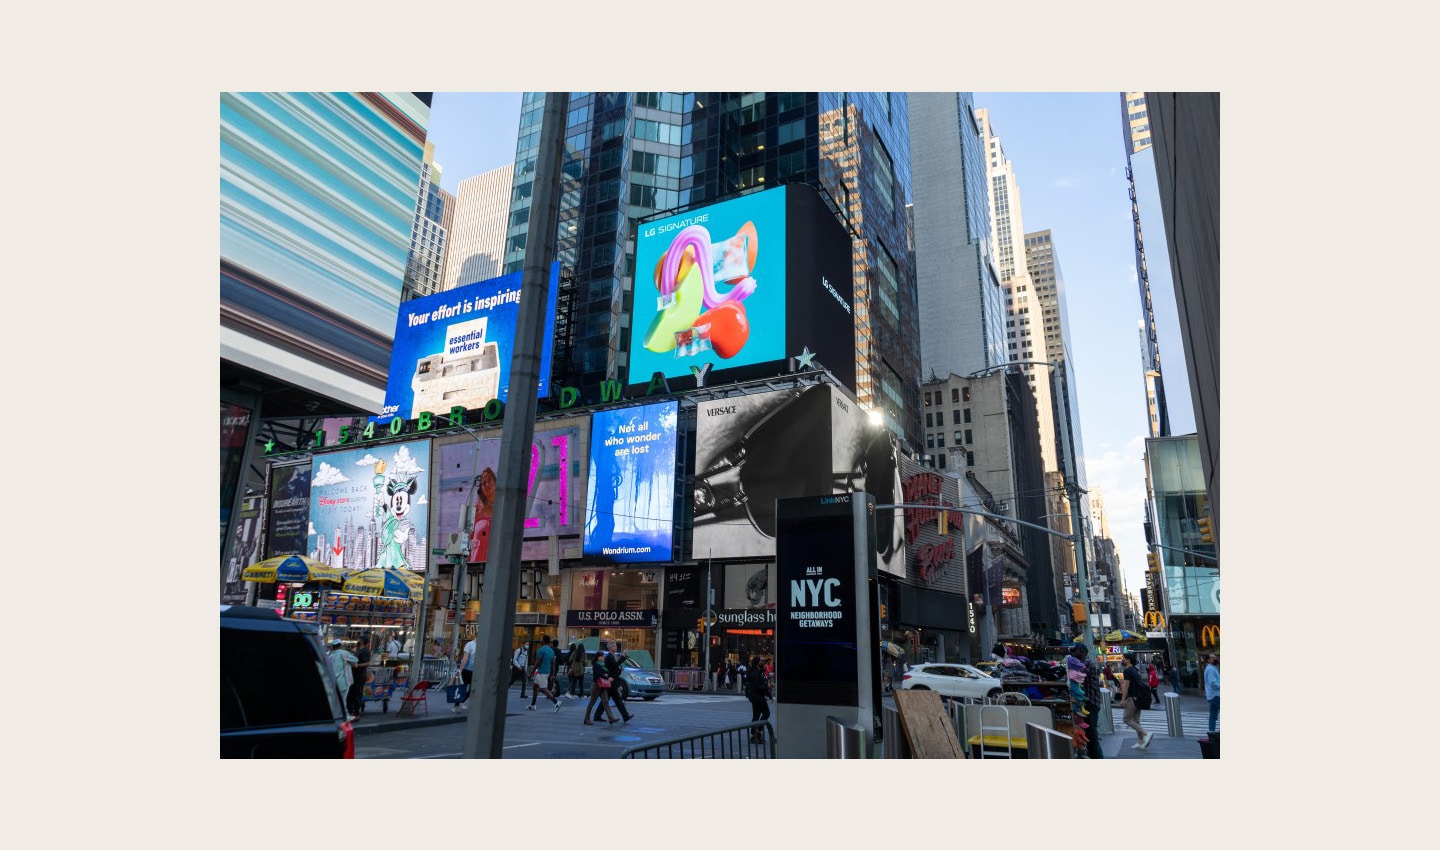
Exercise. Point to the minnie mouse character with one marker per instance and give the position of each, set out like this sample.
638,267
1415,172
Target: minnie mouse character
394,506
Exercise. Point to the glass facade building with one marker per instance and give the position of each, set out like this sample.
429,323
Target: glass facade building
631,155
1191,573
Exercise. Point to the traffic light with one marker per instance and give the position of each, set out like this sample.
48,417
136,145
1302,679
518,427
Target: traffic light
1153,560
699,624
1205,535
1077,612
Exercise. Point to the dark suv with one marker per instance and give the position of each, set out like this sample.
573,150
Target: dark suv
277,697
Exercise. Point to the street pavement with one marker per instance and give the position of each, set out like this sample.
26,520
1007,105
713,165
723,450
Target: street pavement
1194,714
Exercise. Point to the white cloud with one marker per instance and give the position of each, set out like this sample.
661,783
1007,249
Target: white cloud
405,466
328,475
1064,182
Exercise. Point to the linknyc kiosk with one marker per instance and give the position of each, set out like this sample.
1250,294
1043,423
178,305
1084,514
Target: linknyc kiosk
827,648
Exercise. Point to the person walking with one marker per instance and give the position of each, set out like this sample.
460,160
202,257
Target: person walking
613,671
757,690
599,689
544,669
1153,675
341,662
467,674
1134,697
577,670
1212,689
1172,675
355,697
519,663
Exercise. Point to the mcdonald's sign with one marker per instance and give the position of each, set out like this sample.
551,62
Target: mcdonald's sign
1156,620
1210,635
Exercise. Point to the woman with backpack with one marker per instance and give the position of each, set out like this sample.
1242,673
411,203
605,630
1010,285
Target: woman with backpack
1135,697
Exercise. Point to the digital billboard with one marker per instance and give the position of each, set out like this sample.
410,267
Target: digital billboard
630,494
737,289
812,441
467,476
368,507
454,348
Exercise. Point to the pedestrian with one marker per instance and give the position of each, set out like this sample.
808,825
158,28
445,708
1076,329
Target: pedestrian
544,669
1172,675
1108,674
392,647
467,674
757,690
519,662
614,669
740,671
997,652
577,670
1153,676
355,697
341,662
600,688
1212,689
1134,696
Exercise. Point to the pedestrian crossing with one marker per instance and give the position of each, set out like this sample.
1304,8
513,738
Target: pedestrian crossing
1195,724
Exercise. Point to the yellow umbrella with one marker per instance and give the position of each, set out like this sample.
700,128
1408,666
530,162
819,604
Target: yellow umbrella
385,581
291,568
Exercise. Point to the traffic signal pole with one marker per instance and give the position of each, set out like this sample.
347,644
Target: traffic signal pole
485,728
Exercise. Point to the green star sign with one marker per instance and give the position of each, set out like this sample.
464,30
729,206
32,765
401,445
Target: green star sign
269,446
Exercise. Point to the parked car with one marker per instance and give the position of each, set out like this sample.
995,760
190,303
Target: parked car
277,698
950,680
637,681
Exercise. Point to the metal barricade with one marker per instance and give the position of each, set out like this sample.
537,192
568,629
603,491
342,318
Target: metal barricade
844,740
1105,722
894,746
1175,725
1043,743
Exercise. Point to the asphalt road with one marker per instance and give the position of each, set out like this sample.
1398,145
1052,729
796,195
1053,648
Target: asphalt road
544,734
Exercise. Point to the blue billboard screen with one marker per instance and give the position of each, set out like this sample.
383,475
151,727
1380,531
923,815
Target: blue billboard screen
454,348
630,496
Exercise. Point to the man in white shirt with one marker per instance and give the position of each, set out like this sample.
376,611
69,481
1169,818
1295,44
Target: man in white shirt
519,663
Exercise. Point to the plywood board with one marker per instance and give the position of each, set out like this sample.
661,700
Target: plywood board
927,726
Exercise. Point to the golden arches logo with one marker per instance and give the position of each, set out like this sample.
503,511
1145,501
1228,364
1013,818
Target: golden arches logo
1154,620
1210,635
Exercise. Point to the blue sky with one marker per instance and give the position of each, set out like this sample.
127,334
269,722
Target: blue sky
1069,158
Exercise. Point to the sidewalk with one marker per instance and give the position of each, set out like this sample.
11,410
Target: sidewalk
437,711
1194,712
1195,717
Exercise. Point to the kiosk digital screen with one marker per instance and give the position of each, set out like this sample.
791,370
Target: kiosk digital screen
816,657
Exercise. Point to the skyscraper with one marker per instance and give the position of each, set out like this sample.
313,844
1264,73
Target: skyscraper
1152,265
426,261
631,155
1187,156
1024,331
962,305
477,237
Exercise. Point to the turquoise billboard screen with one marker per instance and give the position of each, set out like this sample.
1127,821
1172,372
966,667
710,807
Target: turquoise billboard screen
710,288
